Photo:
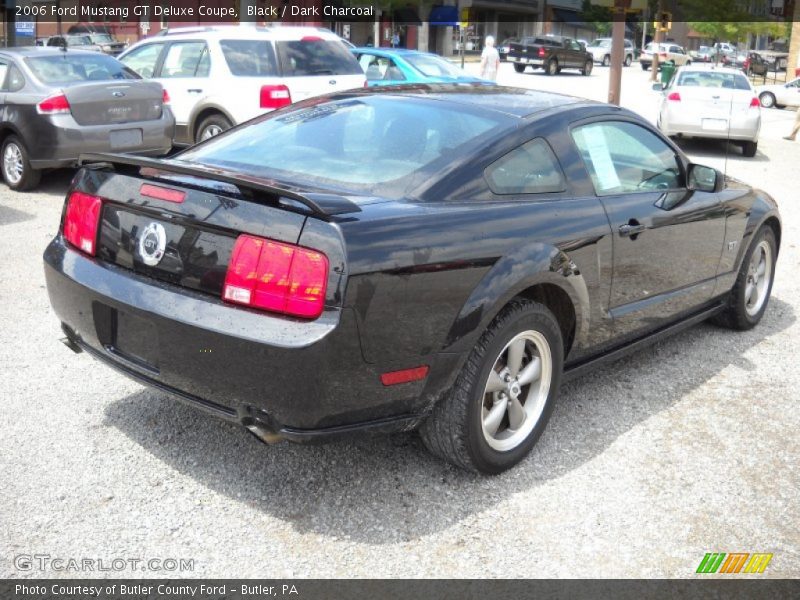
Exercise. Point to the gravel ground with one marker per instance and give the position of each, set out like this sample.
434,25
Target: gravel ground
686,448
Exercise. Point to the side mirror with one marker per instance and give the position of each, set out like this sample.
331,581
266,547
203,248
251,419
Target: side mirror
658,87
704,179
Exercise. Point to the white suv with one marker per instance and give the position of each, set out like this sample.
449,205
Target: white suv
218,77
600,50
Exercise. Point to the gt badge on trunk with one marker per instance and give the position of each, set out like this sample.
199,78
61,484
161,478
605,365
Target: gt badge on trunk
152,244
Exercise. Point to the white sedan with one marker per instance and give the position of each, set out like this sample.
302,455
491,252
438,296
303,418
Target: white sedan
780,94
711,102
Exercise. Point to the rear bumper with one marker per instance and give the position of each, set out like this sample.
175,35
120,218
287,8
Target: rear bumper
522,60
59,141
302,380
742,128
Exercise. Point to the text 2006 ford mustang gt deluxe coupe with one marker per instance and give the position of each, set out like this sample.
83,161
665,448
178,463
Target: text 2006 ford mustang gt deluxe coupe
432,257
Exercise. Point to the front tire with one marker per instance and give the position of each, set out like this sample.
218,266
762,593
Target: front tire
18,173
519,68
606,60
750,294
587,68
628,60
504,396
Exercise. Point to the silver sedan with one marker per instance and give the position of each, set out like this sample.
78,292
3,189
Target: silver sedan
711,102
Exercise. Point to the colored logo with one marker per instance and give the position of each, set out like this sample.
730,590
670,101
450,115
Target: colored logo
734,562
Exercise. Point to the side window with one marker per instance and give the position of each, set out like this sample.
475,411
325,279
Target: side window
143,60
575,45
380,68
3,72
185,59
15,81
530,169
623,157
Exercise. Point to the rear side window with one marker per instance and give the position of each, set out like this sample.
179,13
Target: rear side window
75,68
530,169
249,58
316,57
16,81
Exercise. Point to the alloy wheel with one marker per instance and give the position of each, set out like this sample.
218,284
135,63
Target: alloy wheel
13,163
759,276
210,131
516,391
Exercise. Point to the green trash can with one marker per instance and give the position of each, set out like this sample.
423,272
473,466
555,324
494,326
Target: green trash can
667,71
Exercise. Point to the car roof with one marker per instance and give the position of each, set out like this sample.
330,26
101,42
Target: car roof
283,32
44,51
515,102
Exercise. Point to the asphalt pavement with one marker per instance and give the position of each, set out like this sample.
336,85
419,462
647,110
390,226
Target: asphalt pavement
687,447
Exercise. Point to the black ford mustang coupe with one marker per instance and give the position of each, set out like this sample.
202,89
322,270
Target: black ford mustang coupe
432,257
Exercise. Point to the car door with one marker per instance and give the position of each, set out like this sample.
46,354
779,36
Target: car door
184,73
789,94
667,239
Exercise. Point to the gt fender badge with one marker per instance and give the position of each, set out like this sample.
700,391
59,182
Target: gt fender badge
152,244
731,246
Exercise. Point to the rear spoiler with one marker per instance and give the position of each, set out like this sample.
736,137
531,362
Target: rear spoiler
321,205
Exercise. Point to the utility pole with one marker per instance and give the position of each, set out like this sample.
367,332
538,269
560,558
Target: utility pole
617,51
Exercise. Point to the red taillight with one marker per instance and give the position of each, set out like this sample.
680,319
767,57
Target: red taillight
165,97
404,376
542,52
275,96
754,102
674,96
310,38
162,193
82,221
54,105
275,276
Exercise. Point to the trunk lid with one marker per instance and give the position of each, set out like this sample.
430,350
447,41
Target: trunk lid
111,103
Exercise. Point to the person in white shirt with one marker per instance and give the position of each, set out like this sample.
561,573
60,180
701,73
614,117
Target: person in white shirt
490,60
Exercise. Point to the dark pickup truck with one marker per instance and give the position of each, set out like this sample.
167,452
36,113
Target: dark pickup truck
551,53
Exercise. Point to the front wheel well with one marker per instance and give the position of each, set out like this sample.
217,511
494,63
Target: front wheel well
560,304
773,223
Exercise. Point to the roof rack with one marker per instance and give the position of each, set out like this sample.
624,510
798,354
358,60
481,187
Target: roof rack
320,204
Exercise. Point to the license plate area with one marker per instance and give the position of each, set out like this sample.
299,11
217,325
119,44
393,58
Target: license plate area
125,138
127,336
715,124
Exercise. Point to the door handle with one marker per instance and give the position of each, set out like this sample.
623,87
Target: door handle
631,229
194,90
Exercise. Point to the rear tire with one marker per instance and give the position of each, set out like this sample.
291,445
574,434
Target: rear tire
552,67
745,307
767,99
18,173
749,149
519,68
644,67
628,60
606,60
212,126
490,420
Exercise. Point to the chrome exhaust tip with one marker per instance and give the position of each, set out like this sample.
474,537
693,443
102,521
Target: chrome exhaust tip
262,432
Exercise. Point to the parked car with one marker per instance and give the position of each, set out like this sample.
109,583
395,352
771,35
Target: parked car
666,51
703,54
57,105
390,66
81,42
551,53
779,94
600,49
436,256
218,77
754,64
504,47
710,102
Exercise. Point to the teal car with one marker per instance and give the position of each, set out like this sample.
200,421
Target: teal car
392,66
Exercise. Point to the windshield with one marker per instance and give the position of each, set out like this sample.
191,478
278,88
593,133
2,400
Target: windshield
66,67
433,66
713,79
102,38
382,145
